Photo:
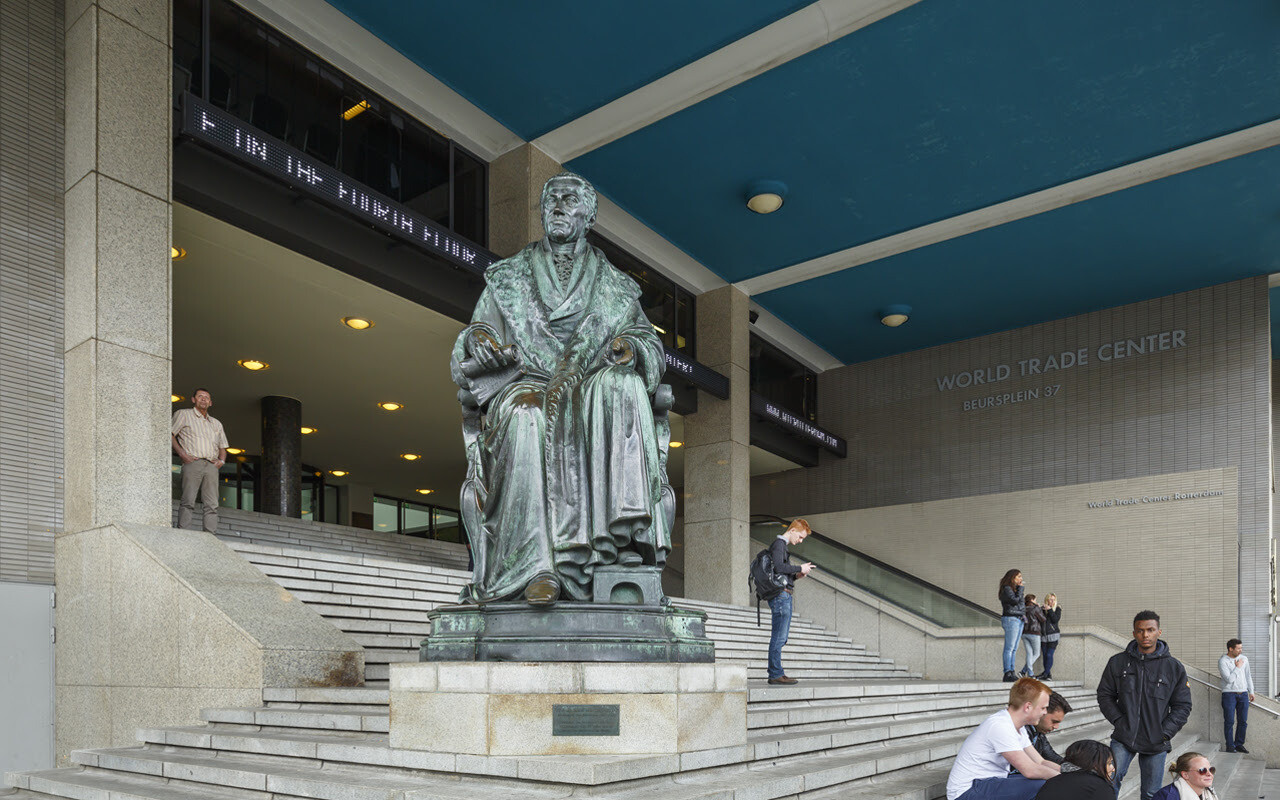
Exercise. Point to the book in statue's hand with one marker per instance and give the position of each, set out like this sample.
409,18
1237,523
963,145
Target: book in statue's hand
484,385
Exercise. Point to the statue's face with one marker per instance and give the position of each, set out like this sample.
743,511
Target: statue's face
566,216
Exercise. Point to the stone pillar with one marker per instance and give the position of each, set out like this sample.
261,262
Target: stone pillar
515,195
717,489
117,312
281,472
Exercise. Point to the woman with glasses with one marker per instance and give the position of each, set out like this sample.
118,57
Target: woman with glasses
1193,779
1088,769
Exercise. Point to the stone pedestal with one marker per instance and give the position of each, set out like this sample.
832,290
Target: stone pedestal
530,709
567,632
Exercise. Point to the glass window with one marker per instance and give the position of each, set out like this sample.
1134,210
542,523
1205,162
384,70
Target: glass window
781,379
447,526
330,504
386,514
274,84
669,308
417,520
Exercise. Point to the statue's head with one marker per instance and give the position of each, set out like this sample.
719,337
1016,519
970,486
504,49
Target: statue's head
568,207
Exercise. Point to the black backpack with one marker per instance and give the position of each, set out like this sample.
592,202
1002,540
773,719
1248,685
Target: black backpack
764,580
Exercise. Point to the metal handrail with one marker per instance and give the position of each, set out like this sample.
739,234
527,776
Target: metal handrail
1264,709
886,567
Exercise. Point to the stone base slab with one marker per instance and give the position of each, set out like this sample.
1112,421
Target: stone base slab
507,708
587,632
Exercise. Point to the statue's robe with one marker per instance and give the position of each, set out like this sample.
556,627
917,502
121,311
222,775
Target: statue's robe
563,480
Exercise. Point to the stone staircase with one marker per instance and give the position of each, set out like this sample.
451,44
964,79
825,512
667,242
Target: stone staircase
856,726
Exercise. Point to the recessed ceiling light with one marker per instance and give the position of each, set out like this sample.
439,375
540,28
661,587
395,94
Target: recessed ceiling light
895,315
425,491
410,456
677,444
339,473
253,364
390,406
235,451
357,323
176,398
306,430
766,197
177,253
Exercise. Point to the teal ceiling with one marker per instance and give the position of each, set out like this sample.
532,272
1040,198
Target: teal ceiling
943,108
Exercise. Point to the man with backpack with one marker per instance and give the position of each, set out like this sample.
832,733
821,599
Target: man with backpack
780,603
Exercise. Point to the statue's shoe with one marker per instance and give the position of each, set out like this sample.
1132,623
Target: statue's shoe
543,590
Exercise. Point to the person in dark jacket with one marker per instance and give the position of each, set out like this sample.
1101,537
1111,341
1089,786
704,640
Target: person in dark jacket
1050,635
1145,694
1059,708
1011,610
1033,624
780,605
1086,774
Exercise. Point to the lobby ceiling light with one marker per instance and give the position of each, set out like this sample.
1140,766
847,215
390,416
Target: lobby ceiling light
424,491
895,315
766,197
659,330
677,444
176,398
410,456
306,430
235,451
177,253
390,406
357,323
253,364
339,473
355,111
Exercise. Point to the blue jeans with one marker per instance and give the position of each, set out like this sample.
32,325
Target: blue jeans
1032,645
781,608
1235,706
1014,787
1049,647
1150,764
1012,635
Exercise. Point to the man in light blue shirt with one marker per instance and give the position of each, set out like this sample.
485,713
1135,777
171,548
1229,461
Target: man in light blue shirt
1237,693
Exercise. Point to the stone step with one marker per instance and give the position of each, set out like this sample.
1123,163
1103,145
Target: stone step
1246,774
826,690
293,554
146,768
318,718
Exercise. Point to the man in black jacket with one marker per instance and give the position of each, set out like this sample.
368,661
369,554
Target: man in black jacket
1059,708
780,605
1145,694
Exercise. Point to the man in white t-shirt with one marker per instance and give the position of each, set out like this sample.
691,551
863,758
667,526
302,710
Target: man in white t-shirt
981,771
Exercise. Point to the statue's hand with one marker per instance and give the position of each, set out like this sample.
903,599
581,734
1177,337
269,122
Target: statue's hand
490,355
621,353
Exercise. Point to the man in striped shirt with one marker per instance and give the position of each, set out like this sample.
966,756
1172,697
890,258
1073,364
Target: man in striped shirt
200,442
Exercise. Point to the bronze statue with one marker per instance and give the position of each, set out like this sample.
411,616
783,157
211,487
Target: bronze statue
564,418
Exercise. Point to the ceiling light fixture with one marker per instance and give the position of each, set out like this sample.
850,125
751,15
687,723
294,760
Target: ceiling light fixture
425,491
766,197
410,456
659,330
177,253
235,451
306,430
176,398
677,444
895,315
355,111
357,323
390,406
339,473
253,364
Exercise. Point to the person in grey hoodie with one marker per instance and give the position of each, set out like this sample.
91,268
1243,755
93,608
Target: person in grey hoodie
1145,694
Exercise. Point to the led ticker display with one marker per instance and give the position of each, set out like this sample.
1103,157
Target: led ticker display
699,375
240,140
796,426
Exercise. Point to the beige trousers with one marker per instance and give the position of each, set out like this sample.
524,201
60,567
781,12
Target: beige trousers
199,476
